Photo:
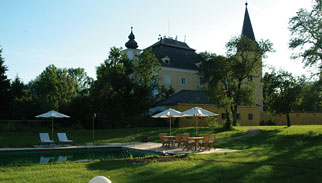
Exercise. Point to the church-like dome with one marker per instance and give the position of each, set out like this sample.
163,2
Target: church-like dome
131,42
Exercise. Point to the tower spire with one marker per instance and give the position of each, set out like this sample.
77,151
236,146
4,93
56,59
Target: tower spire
247,26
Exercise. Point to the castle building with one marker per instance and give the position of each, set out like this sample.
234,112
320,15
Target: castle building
179,69
178,65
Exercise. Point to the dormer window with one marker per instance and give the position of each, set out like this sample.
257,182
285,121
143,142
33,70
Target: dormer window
166,60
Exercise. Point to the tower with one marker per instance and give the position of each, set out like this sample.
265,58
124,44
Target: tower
247,31
132,46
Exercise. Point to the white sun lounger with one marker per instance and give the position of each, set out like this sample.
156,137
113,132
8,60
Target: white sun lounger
63,138
44,138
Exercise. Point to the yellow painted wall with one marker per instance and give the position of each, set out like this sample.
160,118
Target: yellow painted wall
192,80
258,87
243,110
301,118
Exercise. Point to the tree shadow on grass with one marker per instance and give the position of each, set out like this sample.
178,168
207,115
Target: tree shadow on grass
203,171
108,165
292,150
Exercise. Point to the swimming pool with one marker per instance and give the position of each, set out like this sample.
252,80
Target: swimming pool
75,154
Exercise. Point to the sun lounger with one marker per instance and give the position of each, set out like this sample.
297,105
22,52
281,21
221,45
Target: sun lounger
62,138
44,160
44,138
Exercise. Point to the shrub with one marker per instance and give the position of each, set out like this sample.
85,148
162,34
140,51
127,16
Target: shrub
214,123
267,123
8,127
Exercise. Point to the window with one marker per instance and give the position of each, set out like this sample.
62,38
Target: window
201,81
183,81
155,92
250,78
167,79
166,60
130,55
223,115
238,116
250,116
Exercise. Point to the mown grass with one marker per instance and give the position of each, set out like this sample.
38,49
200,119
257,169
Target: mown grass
29,138
277,154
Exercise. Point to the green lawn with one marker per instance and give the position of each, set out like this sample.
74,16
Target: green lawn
82,137
278,155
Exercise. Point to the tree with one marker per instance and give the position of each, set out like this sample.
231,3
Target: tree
55,88
311,96
22,106
4,89
147,69
282,93
164,92
306,35
227,76
146,73
112,92
123,89
216,71
80,79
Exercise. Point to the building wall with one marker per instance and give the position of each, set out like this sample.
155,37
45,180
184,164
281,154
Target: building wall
242,110
258,87
191,77
297,118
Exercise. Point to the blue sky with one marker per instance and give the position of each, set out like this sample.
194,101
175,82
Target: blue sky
79,33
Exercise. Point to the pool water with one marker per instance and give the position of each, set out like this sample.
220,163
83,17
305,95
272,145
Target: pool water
43,157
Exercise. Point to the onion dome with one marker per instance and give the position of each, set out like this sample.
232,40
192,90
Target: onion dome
131,43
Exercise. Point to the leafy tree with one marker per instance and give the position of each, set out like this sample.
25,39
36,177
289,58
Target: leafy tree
55,88
123,88
164,92
311,96
227,76
146,71
22,106
282,93
80,79
306,39
112,92
4,89
216,71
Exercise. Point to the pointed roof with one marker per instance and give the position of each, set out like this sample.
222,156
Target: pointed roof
131,43
247,26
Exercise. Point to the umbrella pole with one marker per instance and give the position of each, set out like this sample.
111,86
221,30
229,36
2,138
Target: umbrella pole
170,126
196,126
93,128
52,128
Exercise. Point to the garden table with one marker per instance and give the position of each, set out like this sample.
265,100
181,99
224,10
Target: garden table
196,139
170,140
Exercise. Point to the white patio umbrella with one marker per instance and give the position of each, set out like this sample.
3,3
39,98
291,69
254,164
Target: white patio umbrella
169,113
52,114
197,112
